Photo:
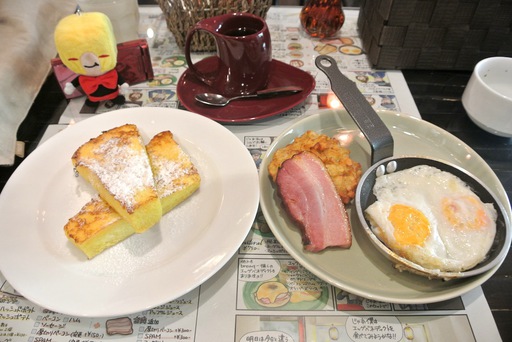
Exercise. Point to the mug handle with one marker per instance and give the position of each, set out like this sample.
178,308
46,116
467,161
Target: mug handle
191,66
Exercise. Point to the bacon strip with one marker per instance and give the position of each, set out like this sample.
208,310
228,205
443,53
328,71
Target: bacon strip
311,200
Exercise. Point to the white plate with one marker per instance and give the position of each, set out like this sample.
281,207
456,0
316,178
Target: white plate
362,270
189,245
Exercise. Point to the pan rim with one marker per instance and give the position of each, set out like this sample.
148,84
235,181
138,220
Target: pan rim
410,265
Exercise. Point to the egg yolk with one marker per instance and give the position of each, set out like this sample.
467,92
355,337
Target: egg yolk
465,212
411,226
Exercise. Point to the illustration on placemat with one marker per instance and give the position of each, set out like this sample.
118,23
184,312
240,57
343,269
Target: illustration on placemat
291,288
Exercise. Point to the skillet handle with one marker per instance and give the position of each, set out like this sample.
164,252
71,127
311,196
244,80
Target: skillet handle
368,121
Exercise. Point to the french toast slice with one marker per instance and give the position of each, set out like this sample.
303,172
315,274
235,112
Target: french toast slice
117,166
175,175
98,226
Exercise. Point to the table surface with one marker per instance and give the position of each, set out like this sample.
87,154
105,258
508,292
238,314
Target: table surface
437,95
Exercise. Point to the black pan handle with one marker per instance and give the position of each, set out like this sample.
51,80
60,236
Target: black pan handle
368,121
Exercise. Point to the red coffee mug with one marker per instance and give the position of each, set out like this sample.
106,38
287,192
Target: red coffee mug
244,53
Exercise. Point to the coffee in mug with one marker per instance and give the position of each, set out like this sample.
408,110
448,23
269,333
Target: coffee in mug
244,53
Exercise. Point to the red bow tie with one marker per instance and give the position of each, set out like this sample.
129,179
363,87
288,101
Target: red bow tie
90,84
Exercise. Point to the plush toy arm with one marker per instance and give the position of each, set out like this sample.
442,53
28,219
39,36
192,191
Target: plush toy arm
69,88
123,88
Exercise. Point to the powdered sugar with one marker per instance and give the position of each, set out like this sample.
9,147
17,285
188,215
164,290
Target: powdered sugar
126,173
169,172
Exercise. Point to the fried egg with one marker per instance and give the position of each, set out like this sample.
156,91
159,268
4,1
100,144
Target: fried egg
432,218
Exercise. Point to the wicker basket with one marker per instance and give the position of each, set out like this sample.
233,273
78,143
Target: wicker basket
181,15
435,34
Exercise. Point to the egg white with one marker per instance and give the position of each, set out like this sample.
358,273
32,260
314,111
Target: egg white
461,227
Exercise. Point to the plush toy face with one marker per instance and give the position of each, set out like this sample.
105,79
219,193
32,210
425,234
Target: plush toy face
86,43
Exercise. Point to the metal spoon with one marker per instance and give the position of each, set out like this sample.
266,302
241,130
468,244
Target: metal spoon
220,101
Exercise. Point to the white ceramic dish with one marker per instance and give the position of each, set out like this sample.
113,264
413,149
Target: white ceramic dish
189,245
362,269
487,97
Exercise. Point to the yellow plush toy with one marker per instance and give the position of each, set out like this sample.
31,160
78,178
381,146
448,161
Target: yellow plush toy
87,46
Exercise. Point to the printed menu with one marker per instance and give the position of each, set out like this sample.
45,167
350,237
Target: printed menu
262,294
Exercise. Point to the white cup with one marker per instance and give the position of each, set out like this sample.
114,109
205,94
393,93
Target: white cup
488,96
124,15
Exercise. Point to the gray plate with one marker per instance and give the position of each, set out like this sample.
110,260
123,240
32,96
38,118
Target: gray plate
363,270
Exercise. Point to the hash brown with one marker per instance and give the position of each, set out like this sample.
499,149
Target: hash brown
344,172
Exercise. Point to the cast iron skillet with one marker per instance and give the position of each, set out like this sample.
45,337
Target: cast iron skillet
383,161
